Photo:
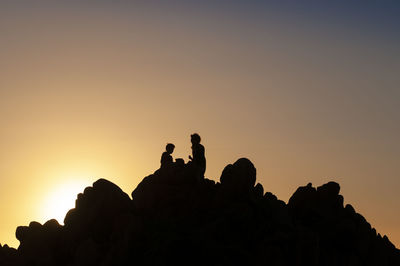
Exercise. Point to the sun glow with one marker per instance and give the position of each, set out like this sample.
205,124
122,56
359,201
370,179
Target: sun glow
61,199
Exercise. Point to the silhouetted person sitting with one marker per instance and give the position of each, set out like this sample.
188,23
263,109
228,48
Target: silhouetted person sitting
166,158
198,159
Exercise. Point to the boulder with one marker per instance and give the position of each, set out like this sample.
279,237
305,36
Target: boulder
8,256
238,178
97,211
40,244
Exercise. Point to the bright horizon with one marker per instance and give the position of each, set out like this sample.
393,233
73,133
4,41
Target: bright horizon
308,92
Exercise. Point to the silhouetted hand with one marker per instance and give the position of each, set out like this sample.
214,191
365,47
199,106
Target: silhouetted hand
190,157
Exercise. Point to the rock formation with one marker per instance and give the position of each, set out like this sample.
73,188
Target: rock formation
176,217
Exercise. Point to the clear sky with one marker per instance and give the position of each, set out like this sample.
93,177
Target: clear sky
308,91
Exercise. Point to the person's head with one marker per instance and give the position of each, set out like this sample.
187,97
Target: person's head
195,138
170,148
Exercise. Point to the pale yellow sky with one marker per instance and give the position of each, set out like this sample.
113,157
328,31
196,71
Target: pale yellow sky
89,93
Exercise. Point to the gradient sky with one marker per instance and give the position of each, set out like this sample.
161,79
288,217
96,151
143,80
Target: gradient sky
309,91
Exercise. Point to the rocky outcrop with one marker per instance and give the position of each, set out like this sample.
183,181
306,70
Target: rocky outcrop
40,244
331,234
176,217
8,256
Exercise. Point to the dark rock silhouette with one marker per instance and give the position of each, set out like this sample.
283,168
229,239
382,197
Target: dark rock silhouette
239,178
8,256
174,218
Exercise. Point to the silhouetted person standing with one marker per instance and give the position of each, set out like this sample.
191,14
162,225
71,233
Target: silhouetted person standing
166,157
198,153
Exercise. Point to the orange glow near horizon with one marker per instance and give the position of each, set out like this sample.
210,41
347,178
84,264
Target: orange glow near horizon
61,199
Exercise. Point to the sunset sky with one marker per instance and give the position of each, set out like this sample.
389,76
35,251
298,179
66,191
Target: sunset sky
307,90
